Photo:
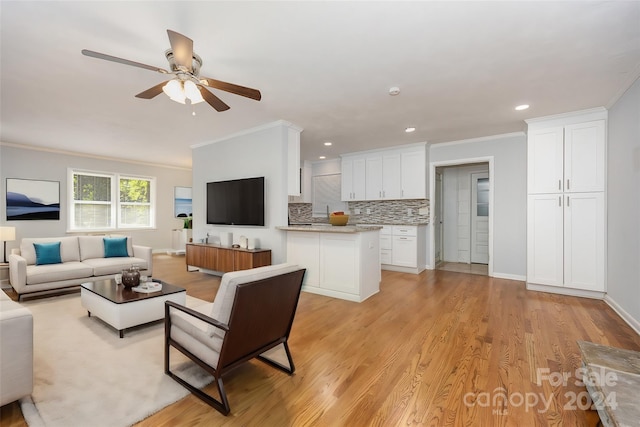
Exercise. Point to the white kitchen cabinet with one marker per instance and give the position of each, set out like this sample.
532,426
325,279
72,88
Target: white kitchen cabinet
304,249
340,265
305,186
545,239
584,241
353,178
413,174
565,240
385,245
293,161
403,248
566,221
385,174
567,158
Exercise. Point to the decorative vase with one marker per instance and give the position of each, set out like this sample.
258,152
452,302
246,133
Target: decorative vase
131,277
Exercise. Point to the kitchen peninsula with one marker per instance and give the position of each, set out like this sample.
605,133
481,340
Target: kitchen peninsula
341,261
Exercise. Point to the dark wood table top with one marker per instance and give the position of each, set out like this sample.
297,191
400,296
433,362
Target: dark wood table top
120,295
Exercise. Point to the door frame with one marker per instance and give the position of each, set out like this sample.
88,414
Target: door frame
432,184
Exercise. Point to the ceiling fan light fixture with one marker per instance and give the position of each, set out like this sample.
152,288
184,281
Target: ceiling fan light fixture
191,91
175,91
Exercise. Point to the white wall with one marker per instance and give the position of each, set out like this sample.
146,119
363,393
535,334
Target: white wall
509,153
257,152
16,162
623,205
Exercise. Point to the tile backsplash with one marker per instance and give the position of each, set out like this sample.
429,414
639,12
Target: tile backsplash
371,212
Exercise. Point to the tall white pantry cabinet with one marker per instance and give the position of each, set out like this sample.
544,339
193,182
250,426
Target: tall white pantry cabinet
566,217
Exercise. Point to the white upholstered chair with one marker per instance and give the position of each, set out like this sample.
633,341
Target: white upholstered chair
252,313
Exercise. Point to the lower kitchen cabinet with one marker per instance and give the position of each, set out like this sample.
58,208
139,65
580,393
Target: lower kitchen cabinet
403,248
339,265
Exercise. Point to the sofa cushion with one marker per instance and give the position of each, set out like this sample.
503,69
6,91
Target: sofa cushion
57,272
47,253
129,242
104,266
115,247
223,302
91,247
68,248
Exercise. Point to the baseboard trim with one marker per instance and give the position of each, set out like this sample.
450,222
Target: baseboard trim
634,323
565,291
517,277
402,269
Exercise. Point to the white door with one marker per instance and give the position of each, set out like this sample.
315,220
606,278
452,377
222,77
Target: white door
584,241
437,225
480,218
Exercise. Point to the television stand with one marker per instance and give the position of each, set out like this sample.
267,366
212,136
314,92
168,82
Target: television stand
222,259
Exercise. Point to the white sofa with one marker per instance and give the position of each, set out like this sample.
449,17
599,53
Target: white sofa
83,260
16,350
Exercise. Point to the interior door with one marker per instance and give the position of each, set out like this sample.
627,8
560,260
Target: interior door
480,218
437,225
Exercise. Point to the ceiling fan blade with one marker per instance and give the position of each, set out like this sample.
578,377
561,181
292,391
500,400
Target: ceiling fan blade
122,61
213,100
182,47
230,87
152,92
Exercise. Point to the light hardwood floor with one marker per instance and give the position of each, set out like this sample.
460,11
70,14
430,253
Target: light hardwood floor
439,348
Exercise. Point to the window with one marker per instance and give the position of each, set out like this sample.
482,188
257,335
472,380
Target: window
326,195
103,201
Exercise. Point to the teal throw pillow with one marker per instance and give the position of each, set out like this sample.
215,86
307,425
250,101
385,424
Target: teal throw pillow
115,247
47,253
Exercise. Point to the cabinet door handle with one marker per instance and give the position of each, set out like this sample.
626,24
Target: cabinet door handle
559,184
560,201
568,184
568,202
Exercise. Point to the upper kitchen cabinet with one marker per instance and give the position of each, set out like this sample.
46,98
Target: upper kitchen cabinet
383,176
293,161
398,173
566,158
353,178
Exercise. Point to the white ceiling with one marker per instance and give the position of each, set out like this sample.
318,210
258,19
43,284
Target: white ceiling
327,67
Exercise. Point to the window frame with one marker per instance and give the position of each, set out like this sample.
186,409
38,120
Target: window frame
115,204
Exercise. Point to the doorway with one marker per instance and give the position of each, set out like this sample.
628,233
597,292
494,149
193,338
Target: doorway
461,226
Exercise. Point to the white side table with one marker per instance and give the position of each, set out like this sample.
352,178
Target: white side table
4,275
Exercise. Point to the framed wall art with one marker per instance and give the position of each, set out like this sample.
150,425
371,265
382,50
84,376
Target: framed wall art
30,199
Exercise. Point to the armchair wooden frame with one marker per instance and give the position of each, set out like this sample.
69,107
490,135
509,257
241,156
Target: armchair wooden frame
261,318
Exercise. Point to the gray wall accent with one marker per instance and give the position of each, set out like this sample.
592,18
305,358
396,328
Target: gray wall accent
16,162
623,202
259,152
510,195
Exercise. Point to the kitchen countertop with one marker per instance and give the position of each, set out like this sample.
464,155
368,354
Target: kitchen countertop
393,223
328,228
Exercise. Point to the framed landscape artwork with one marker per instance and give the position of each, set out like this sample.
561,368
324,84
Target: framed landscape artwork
30,199
182,202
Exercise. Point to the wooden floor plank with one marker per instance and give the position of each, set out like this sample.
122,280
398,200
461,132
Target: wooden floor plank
440,348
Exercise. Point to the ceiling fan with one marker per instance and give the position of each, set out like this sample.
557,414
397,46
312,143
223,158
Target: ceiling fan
187,84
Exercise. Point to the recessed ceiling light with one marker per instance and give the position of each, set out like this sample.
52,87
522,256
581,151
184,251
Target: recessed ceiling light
322,157
328,143
522,107
410,129
394,91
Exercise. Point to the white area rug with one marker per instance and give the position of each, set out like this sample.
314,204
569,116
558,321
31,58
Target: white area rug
85,375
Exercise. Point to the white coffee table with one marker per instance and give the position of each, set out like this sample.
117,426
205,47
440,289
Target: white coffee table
124,308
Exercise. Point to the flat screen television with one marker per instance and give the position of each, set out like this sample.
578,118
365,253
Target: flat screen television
236,202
